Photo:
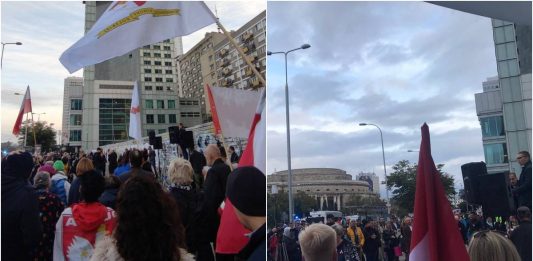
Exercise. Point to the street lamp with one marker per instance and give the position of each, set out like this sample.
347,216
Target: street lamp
291,205
383,153
3,45
412,150
38,115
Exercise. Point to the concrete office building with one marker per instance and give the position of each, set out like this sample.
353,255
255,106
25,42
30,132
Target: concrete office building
372,179
72,112
108,86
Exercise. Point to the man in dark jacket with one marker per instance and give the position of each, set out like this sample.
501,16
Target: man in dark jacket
198,162
214,189
99,161
521,236
113,163
523,189
21,225
136,160
182,142
234,158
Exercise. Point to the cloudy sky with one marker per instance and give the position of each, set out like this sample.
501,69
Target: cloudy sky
393,64
46,29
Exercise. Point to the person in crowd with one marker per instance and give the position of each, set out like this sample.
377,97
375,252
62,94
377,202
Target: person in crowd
47,168
124,165
151,158
291,246
462,228
197,160
146,162
319,243
99,161
109,196
112,159
474,224
512,224
85,223
234,157
489,245
66,168
60,185
37,163
136,170
513,181
273,242
214,189
181,138
189,201
250,208
521,236
82,166
141,234
372,241
489,224
346,251
355,234
390,241
50,208
523,187
21,225
406,230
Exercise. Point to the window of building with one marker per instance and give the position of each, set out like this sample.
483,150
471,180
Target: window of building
166,48
172,118
75,135
158,71
157,47
161,118
159,79
169,89
157,55
166,41
157,62
75,119
147,62
508,68
149,118
149,104
167,55
75,104
146,54
146,47
492,126
114,115
168,63
506,51
147,70
160,104
171,104
495,153
504,34
147,79
190,114
168,71
169,80
159,88
148,88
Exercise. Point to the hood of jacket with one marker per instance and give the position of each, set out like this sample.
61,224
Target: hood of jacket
89,216
16,169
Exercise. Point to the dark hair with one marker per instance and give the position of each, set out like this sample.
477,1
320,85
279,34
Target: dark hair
64,160
525,153
222,152
125,159
523,212
112,182
145,155
136,158
148,222
92,184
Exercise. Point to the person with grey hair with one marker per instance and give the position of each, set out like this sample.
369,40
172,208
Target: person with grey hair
345,249
318,243
50,208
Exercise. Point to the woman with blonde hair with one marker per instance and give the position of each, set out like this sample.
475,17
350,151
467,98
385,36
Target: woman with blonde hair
83,165
491,246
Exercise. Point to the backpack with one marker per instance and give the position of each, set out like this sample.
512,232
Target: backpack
58,187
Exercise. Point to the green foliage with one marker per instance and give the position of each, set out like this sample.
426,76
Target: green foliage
44,134
402,183
278,206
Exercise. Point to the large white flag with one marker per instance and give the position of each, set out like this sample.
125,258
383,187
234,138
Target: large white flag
125,26
135,115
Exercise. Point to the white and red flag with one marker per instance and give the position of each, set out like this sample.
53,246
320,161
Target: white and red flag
435,236
24,108
231,234
127,25
135,115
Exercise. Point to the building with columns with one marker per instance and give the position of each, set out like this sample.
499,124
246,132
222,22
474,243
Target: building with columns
330,187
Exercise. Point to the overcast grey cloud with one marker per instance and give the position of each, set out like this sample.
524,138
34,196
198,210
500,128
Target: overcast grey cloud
394,64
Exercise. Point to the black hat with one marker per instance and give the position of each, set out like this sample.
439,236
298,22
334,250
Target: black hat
18,165
246,191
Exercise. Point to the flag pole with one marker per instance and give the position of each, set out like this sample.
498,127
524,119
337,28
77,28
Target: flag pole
25,130
33,127
232,41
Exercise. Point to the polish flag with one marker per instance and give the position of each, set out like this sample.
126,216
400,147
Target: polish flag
435,236
24,108
231,234
135,114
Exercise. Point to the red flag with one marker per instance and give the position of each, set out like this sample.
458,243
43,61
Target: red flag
435,235
231,234
213,108
24,108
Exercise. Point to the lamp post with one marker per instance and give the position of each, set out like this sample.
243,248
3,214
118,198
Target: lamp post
412,150
384,166
38,115
291,205
3,45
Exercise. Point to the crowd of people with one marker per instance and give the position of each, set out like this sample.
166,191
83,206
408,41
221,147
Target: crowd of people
98,206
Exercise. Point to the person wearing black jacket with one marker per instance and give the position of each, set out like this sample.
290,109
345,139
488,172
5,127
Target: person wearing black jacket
136,170
198,162
372,241
113,163
521,236
99,161
21,224
181,141
523,187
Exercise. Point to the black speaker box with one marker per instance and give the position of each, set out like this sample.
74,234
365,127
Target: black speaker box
173,134
158,144
187,139
151,137
471,172
495,195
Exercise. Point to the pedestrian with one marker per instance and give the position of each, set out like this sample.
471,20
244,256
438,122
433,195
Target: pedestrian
21,225
391,242
140,234
489,245
82,166
474,224
124,164
109,196
136,170
372,241
182,142
82,225
523,187
462,228
112,159
513,181
50,208
60,185
234,157
521,236
318,242
355,233
346,251
99,161
197,160
406,229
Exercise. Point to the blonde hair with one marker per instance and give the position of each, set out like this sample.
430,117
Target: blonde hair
318,242
180,172
84,164
491,246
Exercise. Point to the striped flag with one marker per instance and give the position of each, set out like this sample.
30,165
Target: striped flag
135,114
24,108
435,236
231,234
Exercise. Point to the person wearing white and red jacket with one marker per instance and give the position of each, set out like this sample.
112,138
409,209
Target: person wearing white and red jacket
84,224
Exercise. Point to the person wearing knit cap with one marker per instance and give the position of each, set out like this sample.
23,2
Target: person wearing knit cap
60,185
50,208
49,169
21,227
245,190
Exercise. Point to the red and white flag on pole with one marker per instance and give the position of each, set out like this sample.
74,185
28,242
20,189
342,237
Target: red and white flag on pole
435,236
135,114
231,234
24,108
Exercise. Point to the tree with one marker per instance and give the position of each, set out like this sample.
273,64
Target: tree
402,182
369,204
44,134
278,206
